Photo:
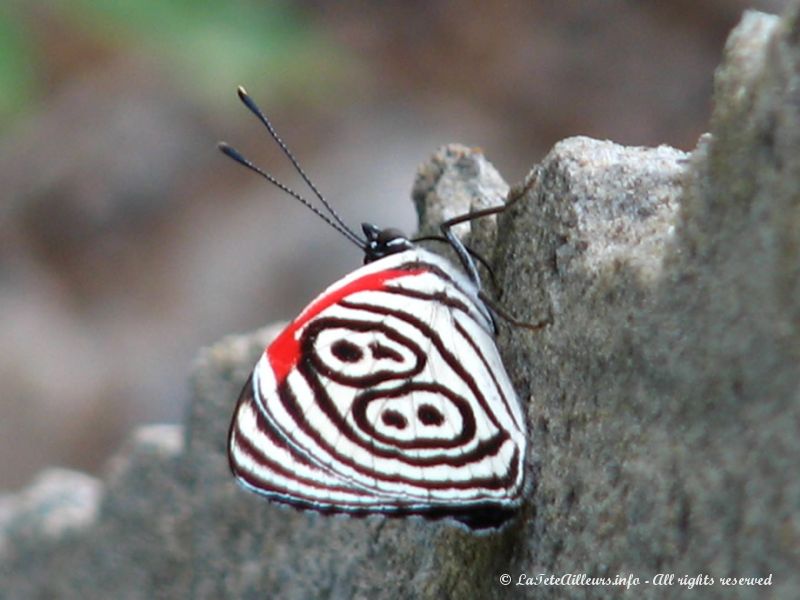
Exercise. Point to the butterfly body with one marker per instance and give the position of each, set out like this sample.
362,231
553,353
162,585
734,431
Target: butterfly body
386,395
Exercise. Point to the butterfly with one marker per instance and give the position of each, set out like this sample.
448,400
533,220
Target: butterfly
387,394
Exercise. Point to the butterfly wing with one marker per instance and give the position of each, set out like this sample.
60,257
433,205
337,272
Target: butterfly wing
386,395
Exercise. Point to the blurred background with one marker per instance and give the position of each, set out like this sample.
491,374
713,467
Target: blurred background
127,241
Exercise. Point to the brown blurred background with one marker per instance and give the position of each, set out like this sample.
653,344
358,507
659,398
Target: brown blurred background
127,241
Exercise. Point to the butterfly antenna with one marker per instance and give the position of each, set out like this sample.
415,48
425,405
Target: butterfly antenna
234,154
253,107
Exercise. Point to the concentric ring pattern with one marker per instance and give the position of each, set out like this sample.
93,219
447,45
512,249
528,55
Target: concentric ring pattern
386,395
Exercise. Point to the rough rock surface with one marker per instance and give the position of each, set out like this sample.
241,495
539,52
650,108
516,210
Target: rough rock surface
662,399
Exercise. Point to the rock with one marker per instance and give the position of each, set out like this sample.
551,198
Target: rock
662,398
57,503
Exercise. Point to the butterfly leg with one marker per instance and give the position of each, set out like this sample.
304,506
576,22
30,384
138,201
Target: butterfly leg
466,258
458,246
508,317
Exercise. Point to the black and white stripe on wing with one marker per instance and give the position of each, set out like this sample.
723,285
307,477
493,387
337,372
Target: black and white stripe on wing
400,405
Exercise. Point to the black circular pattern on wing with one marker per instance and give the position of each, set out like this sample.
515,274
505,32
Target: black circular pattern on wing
392,418
348,351
389,369
459,438
392,379
430,415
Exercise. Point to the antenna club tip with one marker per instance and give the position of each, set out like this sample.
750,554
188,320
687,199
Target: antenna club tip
242,92
231,152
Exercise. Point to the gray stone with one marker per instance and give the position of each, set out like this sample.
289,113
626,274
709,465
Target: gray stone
662,397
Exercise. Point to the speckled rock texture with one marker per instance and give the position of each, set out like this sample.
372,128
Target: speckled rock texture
663,398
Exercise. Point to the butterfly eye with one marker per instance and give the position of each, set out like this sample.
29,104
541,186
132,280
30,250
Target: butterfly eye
347,352
391,237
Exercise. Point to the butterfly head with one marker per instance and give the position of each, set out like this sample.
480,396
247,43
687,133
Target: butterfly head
383,242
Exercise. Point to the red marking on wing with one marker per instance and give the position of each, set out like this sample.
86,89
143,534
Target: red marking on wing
284,352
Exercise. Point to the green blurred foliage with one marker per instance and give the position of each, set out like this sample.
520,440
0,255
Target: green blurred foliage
17,65
208,47
216,45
